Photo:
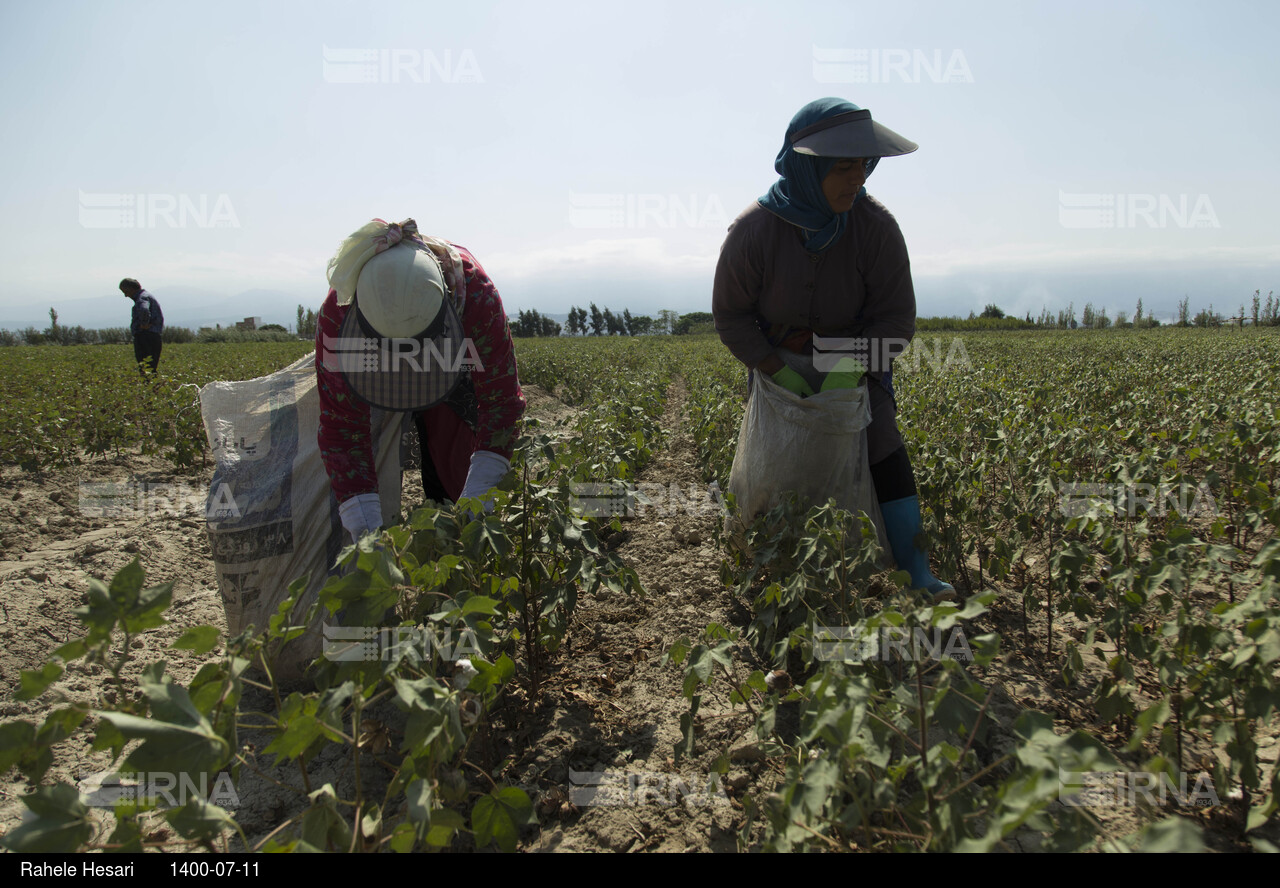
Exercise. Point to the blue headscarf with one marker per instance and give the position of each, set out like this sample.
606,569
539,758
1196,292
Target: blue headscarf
797,197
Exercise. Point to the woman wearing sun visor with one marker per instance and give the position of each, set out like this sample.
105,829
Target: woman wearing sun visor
813,287
412,323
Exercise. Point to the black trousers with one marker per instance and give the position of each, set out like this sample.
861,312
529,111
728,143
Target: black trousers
432,486
891,470
146,347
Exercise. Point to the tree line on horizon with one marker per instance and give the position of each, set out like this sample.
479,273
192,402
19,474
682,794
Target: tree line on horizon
597,322
61,334
994,318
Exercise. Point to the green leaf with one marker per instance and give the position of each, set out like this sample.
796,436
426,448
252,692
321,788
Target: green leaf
492,675
300,732
146,611
420,693
281,626
1047,751
1260,814
59,725
1148,719
418,797
61,822
33,682
701,661
1173,834
479,605
322,825
427,727
126,838
402,838
72,650
126,584
123,601
200,639
97,613
498,816
677,652
178,739
198,819
17,739
206,689
445,822
687,733
108,736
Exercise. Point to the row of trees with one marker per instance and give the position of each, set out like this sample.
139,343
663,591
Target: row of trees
581,322
606,323
597,322
531,323
122,336
1267,315
60,334
306,326
1264,314
1092,318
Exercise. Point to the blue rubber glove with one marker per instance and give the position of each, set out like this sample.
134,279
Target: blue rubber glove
793,382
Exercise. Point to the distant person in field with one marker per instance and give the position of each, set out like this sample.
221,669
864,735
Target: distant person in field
146,325
817,255
412,323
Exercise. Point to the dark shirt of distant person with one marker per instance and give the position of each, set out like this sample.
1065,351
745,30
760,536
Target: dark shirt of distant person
146,325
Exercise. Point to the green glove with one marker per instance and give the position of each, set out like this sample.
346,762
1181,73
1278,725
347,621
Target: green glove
846,374
793,382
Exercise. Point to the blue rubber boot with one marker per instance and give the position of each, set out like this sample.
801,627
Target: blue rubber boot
902,524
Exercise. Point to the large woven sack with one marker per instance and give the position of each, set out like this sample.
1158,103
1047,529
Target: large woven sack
272,516
814,447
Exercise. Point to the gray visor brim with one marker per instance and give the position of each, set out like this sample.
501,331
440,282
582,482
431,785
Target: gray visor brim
858,138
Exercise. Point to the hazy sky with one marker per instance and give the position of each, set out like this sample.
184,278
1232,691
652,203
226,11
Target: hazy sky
597,151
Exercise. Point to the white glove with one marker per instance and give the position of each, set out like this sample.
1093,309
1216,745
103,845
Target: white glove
487,469
361,514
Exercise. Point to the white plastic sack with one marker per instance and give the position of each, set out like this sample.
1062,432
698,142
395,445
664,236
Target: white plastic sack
815,447
272,516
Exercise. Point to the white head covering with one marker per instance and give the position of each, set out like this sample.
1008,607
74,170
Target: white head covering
379,236
402,340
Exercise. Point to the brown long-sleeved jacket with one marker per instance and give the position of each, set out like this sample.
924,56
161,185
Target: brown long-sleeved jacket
861,286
